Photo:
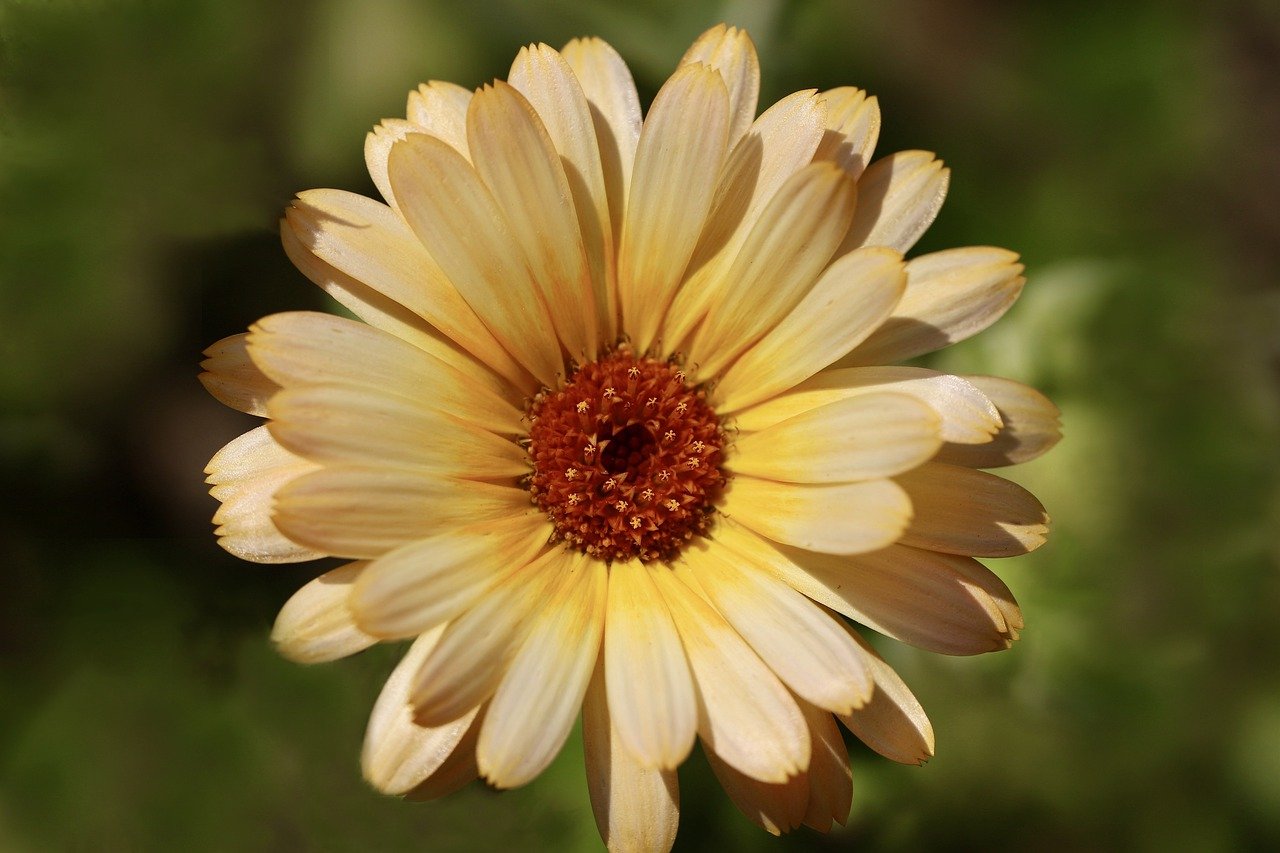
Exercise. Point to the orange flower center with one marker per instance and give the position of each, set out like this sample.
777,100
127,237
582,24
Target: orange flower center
626,458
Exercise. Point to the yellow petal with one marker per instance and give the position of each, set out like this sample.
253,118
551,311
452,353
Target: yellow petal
776,807
731,52
1031,427
650,687
440,109
893,723
315,626
849,301
681,149
745,715
516,159
536,704
637,808
951,295
398,754
963,511
377,147
852,128
899,196
842,518
245,475
423,584
830,779
968,416
469,236
231,377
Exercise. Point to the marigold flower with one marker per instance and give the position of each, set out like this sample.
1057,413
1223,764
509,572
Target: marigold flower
613,433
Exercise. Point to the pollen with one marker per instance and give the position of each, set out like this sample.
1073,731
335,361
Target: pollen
626,458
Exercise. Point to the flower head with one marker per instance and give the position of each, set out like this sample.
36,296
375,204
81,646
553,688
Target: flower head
611,434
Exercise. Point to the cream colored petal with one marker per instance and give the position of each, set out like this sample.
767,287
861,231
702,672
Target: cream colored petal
780,143
859,438
842,518
398,754
477,647
830,778
950,296
245,476
458,769
231,377
681,149
544,77
615,113
364,511
893,723
440,108
650,687
940,602
776,807
377,147
1031,427
308,348
968,416
853,126
899,196
518,162
536,704
780,261
637,808
731,52
362,253
849,301
315,626
963,511
340,424
745,715
423,584
466,231
802,644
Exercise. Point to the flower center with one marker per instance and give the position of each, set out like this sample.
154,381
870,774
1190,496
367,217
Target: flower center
626,458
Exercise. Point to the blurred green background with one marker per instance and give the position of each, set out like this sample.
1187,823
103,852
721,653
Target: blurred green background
1127,150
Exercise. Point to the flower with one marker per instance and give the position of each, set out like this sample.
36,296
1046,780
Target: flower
611,433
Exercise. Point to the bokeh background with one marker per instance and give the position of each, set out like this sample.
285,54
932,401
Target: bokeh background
1128,150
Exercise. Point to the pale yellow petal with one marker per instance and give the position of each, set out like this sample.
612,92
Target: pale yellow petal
440,108
779,144
315,625
469,236
232,377
1031,426
535,706
637,808
951,295
309,348
849,301
893,723
731,52
802,644
858,438
245,475
779,262
423,584
745,715
477,647
615,113
841,518
853,126
362,254
457,770
363,424
650,687
899,196
678,158
963,511
776,807
398,754
968,416
830,778
940,602
518,162
377,147
364,511
546,79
